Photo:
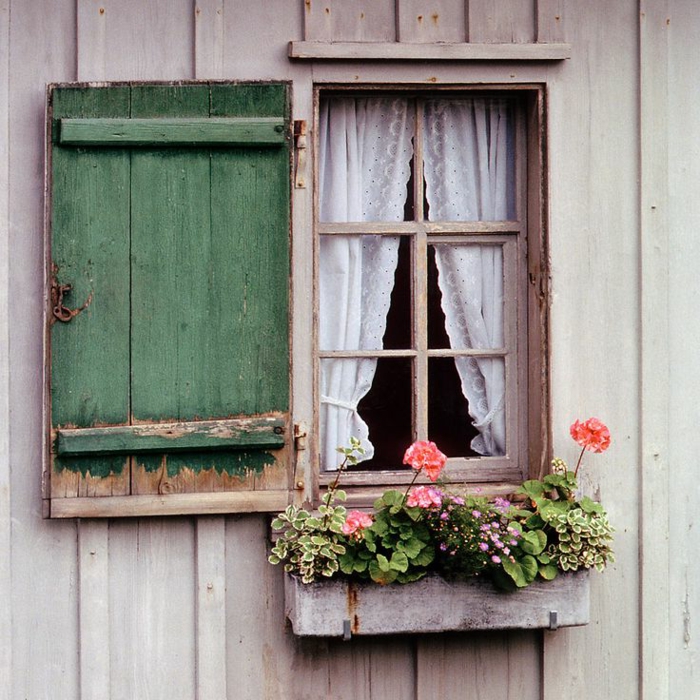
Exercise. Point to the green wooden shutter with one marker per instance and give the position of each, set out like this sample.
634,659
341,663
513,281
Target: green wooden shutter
169,315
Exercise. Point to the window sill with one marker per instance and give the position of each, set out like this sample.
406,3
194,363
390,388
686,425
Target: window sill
338,608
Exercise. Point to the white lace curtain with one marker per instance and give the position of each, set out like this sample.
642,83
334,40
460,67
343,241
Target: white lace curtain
365,154
468,174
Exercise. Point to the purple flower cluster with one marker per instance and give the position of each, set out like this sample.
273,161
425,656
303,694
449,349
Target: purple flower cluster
497,538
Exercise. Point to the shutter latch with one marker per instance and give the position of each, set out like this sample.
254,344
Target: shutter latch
59,310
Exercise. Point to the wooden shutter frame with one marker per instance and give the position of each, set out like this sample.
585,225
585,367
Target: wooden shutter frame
267,431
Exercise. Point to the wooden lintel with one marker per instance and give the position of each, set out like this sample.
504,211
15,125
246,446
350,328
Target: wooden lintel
236,434
170,504
234,131
398,51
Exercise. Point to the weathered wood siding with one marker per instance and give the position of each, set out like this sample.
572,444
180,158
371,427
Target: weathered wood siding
188,607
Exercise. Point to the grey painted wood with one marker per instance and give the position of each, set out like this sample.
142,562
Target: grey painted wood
341,609
655,368
684,333
5,502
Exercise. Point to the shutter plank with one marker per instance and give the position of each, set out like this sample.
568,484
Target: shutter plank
263,433
90,248
172,132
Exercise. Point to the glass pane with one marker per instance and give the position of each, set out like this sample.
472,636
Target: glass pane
365,153
466,405
387,410
469,159
356,279
465,297
366,397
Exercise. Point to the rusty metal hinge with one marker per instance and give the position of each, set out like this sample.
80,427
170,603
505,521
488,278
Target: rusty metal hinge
300,153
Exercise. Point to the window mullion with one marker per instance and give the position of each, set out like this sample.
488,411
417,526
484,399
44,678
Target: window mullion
420,287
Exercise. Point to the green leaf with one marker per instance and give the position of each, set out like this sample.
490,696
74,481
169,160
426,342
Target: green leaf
399,562
380,576
533,542
532,488
382,562
548,571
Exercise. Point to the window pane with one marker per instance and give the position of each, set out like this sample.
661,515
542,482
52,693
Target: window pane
365,152
449,424
356,279
483,382
469,159
370,399
466,297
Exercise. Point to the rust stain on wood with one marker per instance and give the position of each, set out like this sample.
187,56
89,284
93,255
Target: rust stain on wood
352,609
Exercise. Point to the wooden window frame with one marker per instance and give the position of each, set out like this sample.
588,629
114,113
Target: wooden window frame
524,244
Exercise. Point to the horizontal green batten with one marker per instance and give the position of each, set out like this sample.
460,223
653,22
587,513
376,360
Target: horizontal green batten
234,434
233,131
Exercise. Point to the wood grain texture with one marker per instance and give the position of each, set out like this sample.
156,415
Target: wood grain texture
549,21
152,596
93,568
5,496
172,132
210,534
378,51
209,39
684,332
655,525
502,21
430,21
42,562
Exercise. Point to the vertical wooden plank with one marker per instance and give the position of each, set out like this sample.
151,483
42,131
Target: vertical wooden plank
364,20
592,122
152,609
43,597
90,251
211,608
684,332
93,570
484,666
550,21
171,333
429,21
655,341
159,36
5,502
501,21
209,39
318,20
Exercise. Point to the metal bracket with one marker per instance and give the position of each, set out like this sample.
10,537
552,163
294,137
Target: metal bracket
553,620
347,632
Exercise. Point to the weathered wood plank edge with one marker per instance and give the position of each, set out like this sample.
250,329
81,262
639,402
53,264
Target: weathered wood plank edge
219,131
434,605
312,50
240,434
218,503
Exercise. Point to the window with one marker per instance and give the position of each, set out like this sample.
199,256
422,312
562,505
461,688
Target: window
430,281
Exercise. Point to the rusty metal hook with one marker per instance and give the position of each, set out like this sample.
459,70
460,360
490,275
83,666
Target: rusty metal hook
60,311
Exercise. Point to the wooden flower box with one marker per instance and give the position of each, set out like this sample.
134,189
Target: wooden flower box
338,608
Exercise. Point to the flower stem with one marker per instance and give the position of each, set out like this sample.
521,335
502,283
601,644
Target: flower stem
578,464
405,496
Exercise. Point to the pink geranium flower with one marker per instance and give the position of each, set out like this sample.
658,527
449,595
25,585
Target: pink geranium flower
425,455
355,522
424,497
592,435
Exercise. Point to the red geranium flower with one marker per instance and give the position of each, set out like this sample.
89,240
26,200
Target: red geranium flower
592,435
425,455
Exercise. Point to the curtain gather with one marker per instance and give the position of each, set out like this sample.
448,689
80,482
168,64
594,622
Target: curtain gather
365,154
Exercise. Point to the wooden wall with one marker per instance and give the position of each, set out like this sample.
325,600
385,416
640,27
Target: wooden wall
188,607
